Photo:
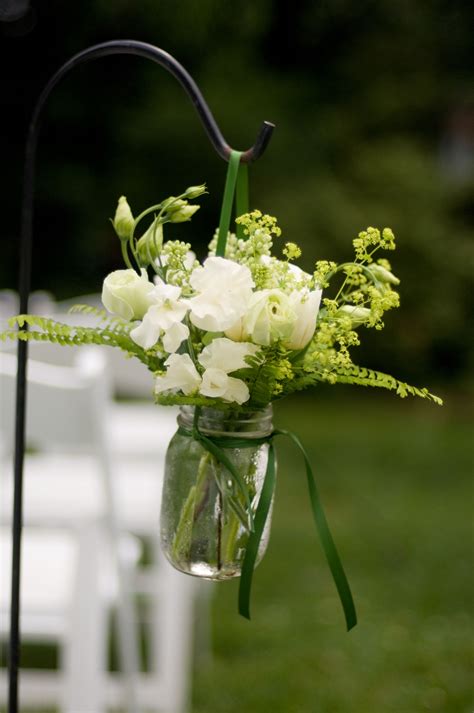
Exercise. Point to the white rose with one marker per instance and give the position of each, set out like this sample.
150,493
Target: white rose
270,317
226,355
306,306
127,294
217,384
181,374
224,289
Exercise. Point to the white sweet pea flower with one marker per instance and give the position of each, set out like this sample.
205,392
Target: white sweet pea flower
127,294
226,355
174,336
217,384
224,289
306,306
181,374
167,310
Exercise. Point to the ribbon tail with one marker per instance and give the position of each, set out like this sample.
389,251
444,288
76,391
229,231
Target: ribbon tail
255,537
332,556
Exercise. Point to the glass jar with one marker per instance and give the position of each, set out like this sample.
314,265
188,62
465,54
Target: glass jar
204,514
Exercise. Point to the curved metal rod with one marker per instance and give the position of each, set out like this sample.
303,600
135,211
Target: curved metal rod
143,49
133,47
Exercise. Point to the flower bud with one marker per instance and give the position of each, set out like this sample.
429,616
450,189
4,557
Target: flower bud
358,315
183,214
172,204
149,245
195,191
383,275
123,221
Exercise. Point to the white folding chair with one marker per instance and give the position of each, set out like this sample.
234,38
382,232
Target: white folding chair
65,418
133,439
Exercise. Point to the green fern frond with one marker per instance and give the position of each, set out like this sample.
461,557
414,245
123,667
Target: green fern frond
361,376
113,322
102,314
68,335
369,377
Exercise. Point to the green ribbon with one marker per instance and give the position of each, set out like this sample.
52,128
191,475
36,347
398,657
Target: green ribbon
215,446
236,183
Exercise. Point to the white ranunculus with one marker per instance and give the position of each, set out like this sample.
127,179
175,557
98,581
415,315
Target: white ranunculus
226,355
127,294
270,317
217,384
223,289
306,306
167,309
181,374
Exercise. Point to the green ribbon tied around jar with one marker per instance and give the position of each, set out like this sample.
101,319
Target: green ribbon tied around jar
256,523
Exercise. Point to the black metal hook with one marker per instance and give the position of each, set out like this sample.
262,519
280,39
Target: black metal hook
141,49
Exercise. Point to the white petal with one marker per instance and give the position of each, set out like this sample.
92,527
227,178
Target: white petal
306,305
214,383
181,374
237,390
227,355
147,333
174,336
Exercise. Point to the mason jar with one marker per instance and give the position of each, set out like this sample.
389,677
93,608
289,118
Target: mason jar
204,513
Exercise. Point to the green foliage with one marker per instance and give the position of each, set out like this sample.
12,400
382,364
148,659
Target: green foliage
112,335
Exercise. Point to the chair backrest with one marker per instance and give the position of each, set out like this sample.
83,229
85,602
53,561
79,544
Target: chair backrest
66,405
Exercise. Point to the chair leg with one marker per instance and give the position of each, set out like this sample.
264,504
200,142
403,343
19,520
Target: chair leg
84,651
127,632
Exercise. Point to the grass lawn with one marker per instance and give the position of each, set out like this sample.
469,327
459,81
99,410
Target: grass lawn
395,481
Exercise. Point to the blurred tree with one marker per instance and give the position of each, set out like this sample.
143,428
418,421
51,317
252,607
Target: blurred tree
363,95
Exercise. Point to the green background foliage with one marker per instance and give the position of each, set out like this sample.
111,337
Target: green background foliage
371,102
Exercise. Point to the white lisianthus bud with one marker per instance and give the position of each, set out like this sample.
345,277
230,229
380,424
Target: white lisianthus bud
184,213
123,221
127,294
382,274
306,306
217,384
226,355
181,374
270,317
223,289
358,315
195,191
149,245
172,204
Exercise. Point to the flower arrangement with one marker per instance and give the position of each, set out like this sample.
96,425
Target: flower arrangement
231,336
